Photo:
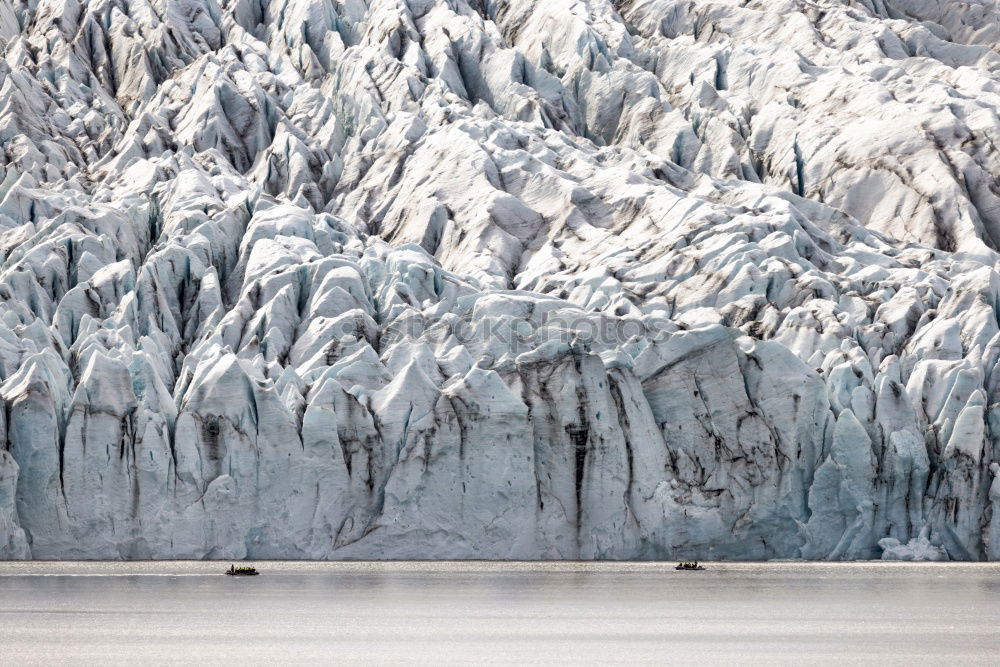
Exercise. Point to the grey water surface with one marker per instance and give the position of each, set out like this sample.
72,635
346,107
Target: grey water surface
499,613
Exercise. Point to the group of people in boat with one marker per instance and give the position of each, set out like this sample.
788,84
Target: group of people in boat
688,565
239,570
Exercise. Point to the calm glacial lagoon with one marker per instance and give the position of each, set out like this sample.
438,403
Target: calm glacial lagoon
482,613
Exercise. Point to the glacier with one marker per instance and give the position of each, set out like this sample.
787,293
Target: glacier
532,279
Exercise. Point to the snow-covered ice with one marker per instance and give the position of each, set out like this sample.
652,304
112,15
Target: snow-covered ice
481,279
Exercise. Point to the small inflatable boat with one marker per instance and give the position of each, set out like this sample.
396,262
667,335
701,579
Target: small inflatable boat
689,566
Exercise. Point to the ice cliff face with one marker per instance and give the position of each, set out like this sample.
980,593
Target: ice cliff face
524,279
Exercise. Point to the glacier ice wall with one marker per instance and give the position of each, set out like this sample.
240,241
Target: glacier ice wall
484,279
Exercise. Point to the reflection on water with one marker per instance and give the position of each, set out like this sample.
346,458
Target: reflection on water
544,613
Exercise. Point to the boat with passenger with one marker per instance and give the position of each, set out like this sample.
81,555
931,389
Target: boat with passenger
689,565
247,571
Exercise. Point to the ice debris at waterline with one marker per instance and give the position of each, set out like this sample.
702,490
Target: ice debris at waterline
482,279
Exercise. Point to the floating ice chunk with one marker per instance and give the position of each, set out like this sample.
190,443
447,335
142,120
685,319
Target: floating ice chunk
919,548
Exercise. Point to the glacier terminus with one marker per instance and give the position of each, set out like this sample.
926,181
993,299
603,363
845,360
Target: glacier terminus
500,279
